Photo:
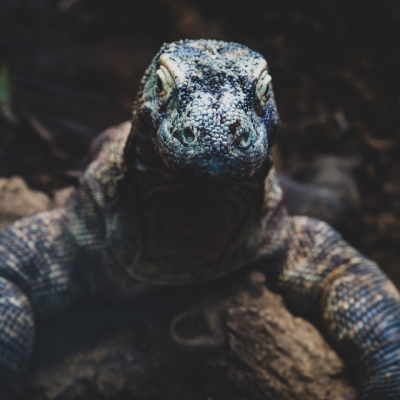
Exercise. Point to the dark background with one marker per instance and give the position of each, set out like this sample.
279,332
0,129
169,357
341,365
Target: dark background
70,68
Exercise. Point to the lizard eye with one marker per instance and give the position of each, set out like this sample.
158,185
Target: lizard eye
165,83
262,88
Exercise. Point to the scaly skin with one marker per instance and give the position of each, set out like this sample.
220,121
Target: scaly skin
186,193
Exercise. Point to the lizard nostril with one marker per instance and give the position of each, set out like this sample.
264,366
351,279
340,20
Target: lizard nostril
240,134
244,138
234,126
188,135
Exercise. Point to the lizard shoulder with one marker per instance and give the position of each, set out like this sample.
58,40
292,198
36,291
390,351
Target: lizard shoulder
101,177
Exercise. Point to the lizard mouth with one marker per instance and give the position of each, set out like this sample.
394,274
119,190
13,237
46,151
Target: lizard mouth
216,173
214,170
213,167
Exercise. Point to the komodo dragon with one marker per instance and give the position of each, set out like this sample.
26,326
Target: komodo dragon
185,193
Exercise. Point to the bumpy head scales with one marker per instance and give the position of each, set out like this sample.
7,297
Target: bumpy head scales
209,108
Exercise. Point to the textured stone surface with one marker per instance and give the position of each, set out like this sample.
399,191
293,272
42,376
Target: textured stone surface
17,200
238,345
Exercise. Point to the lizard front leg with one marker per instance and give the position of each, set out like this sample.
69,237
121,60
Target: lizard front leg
16,338
359,306
37,276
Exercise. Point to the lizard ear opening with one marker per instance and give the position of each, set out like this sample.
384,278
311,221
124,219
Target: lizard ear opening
262,87
167,75
165,83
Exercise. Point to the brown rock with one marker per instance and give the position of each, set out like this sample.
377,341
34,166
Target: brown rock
18,200
238,345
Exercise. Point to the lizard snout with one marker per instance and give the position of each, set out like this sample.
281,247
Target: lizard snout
241,137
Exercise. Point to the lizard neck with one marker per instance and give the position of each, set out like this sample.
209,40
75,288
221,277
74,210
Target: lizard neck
166,228
181,230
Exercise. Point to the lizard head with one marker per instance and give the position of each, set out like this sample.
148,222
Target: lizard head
208,109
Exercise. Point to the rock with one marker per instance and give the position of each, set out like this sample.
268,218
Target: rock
62,195
18,200
238,345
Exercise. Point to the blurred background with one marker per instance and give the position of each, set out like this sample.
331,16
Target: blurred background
71,68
